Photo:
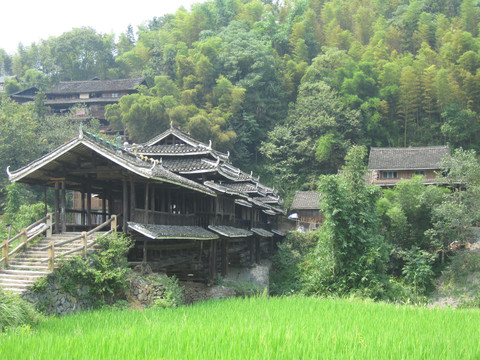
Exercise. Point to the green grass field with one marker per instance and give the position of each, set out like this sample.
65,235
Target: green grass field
255,328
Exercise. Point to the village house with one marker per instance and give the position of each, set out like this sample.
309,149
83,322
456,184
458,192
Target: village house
178,214
388,166
305,210
94,94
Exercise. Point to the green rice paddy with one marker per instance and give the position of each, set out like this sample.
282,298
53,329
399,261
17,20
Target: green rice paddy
255,328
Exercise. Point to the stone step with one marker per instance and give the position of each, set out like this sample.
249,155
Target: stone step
15,281
24,272
29,267
15,290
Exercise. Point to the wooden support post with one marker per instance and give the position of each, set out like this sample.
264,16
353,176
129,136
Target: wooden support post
125,204
132,200
252,250
114,224
49,225
89,208
257,249
147,188
145,243
225,257
51,255
213,260
24,238
111,210
5,252
57,207
201,252
84,244
63,208
104,206
83,216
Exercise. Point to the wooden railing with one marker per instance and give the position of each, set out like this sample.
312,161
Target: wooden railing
85,245
25,236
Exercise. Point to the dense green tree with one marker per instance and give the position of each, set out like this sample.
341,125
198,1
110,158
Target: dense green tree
351,254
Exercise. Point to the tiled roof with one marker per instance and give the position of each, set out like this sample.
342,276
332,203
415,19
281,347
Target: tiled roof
411,158
230,231
186,165
306,200
74,87
172,232
177,149
87,142
262,232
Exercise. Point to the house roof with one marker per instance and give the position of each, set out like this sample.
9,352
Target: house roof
41,170
73,87
230,231
169,150
164,232
306,200
411,158
262,232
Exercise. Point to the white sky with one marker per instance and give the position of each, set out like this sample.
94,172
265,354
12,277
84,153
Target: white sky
31,20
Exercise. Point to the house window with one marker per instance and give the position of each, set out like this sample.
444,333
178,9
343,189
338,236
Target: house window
389,174
114,95
420,172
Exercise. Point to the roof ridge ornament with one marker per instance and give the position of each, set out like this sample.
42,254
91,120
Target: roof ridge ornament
171,124
80,131
8,171
209,147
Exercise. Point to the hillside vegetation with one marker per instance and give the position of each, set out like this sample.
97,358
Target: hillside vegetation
285,86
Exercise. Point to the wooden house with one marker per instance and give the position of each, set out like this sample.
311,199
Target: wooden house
306,204
390,165
24,96
177,221
95,94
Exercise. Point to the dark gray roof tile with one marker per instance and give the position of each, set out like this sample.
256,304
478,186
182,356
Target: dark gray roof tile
411,158
172,232
74,87
306,200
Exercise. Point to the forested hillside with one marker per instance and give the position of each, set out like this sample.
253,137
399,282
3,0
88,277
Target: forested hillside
285,86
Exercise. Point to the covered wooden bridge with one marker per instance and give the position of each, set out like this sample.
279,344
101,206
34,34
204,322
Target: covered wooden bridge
178,222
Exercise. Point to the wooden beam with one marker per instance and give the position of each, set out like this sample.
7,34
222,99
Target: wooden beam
125,204
132,200
89,208
104,205
147,188
63,208
83,216
225,257
212,273
57,207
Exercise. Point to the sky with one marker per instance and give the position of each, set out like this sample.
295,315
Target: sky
32,20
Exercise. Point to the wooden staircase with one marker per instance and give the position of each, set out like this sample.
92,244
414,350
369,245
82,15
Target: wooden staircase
27,267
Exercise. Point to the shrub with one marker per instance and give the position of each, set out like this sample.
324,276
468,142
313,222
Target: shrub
285,274
103,272
14,311
171,294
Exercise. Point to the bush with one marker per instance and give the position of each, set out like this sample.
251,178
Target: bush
285,274
14,311
172,293
103,272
